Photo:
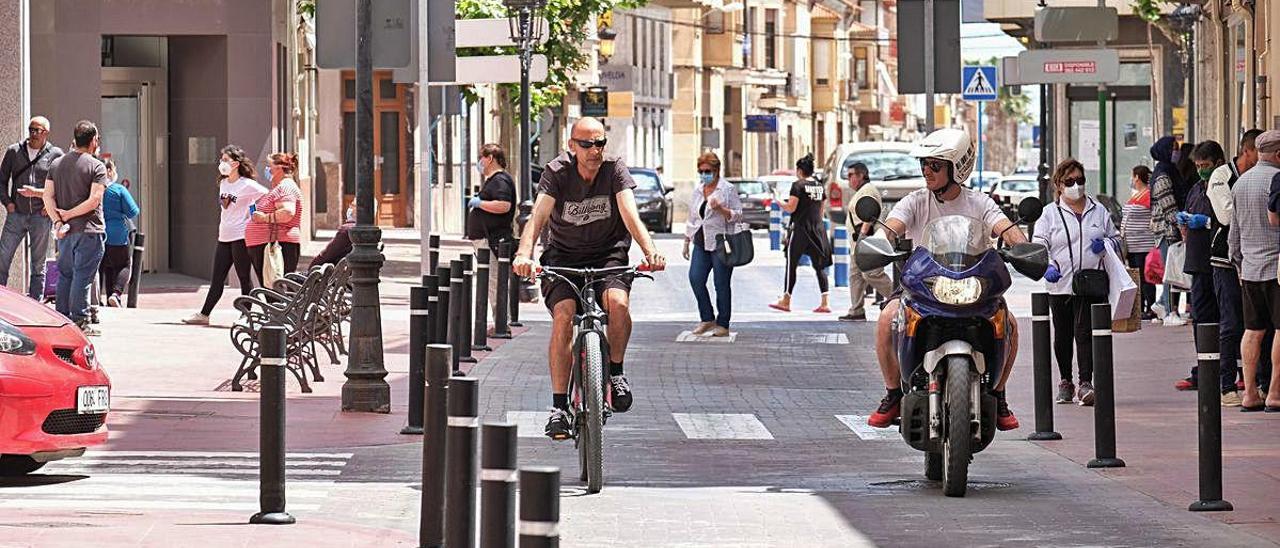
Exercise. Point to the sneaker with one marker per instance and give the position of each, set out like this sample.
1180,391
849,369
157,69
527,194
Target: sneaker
1186,385
890,408
1174,320
1231,399
1066,392
1004,416
703,328
1158,311
719,331
196,319
1086,394
113,301
859,317
88,329
559,425
619,393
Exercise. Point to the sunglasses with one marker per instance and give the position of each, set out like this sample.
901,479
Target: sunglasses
1073,182
936,166
35,130
588,143
706,172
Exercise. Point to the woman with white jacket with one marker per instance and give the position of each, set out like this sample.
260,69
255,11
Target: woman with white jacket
1079,233
714,209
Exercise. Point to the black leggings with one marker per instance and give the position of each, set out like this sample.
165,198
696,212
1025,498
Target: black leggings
291,251
1072,322
794,252
224,256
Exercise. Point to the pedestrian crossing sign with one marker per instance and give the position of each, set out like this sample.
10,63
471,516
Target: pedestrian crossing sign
979,83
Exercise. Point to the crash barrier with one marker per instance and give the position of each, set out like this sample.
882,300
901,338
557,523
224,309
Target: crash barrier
312,307
840,250
1042,353
775,225
273,340
449,472
1210,421
480,326
501,330
1104,410
135,269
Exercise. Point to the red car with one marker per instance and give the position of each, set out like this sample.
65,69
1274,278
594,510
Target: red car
54,396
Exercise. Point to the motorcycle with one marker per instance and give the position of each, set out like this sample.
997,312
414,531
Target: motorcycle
951,331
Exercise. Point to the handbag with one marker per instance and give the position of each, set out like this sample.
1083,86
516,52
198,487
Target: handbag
1090,283
736,249
1153,271
272,261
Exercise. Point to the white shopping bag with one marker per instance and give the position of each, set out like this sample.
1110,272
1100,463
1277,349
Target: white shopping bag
1122,291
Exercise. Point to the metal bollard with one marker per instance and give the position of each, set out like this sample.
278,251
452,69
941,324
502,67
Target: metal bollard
431,515
441,310
460,467
1210,413
271,446
1042,353
539,507
513,298
775,225
432,283
498,485
480,327
433,252
840,252
466,308
1104,411
135,269
501,330
454,333
418,314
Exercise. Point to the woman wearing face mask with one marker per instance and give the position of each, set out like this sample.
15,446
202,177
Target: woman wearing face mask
277,215
1078,232
118,208
237,191
492,211
1136,229
714,208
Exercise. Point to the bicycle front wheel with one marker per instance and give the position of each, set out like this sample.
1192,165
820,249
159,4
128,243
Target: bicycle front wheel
591,425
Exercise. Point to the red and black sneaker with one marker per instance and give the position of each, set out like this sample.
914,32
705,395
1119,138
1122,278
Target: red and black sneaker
1004,417
890,408
1187,384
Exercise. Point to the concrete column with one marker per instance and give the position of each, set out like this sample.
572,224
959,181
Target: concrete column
15,101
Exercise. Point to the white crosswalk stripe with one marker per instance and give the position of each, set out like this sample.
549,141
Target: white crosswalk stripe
722,426
858,423
212,463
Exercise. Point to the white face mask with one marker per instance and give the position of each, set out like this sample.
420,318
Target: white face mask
1074,192
224,168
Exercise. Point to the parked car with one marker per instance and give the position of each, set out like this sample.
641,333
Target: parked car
756,197
54,395
653,199
779,184
982,181
890,165
1016,188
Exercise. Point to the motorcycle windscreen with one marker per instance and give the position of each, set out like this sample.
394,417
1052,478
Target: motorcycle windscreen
955,242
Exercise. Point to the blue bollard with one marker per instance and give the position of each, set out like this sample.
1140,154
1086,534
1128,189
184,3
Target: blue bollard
775,226
840,250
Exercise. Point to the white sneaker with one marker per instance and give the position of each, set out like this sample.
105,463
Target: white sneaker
1159,311
1174,320
196,319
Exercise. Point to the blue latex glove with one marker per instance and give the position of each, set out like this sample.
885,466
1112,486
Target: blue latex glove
1097,247
1182,217
474,202
1198,221
1052,275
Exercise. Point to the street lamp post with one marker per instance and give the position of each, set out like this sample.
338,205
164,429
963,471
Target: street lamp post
366,389
1183,20
526,32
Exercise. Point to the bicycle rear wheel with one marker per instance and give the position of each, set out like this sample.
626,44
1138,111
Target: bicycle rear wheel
591,427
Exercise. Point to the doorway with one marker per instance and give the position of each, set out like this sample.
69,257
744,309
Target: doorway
135,133
1129,129
390,141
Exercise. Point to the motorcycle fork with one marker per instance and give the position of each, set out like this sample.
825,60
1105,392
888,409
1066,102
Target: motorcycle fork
935,406
975,406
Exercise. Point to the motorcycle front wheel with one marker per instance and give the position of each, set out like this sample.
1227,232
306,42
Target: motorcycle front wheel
957,447
933,466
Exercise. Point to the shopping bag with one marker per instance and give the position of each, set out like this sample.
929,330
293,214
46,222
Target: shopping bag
1122,289
1173,274
272,264
1153,270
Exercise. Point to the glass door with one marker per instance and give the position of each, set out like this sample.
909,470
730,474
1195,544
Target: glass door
390,139
135,136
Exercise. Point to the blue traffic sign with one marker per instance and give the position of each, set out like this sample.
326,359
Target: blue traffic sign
979,83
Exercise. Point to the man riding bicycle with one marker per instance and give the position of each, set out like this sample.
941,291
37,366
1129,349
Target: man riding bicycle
586,201
946,160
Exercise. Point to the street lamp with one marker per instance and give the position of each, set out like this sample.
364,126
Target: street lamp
1183,21
607,44
526,31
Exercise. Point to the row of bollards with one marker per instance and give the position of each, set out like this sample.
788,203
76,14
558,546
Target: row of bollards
1209,411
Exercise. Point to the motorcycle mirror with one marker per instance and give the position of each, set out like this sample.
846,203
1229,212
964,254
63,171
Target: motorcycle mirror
1029,209
1029,259
875,252
867,209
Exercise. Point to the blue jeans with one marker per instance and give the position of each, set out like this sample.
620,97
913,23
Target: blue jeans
703,263
79,255
16,227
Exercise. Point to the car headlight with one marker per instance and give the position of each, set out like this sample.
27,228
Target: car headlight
14,341
651,206
955,292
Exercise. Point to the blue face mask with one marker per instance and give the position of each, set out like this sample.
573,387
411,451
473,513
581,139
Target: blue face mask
266,173
706,178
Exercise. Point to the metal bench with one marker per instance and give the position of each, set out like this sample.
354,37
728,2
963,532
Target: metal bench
301,307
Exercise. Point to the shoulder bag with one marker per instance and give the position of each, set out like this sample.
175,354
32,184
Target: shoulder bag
1090,283
272,261
736,249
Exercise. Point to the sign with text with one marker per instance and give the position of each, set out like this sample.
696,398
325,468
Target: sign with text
1068,66
761,123
595,102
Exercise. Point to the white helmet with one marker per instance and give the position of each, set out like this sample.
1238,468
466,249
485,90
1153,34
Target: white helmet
952,145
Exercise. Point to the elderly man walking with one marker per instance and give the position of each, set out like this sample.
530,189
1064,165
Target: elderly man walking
22,174
861,186
1254,245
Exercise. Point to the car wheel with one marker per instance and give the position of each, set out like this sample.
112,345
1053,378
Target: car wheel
18,465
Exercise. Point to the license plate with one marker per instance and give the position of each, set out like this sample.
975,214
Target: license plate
93,400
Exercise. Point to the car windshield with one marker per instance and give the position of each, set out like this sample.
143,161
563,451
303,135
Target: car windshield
751,187
884,165
1020,185
956,242
646,181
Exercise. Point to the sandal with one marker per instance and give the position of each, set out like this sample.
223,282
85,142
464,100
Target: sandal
777,306
1252,408
822,310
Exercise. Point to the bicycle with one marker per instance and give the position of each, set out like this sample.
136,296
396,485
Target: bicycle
587,381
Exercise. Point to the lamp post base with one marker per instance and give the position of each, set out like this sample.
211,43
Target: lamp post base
366,389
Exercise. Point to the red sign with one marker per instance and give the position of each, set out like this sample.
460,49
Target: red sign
1071,67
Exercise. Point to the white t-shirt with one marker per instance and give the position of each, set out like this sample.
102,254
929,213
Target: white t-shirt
920,207
234,200
32,152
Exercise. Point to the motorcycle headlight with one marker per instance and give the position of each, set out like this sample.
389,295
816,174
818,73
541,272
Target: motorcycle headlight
955,292
14,341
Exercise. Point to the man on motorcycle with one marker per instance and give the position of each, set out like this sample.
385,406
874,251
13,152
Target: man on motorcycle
946,160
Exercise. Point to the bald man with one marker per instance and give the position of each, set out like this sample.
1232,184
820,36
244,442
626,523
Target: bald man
586,200
23,172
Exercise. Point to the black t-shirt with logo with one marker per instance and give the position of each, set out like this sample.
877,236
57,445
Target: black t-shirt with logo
586,220
809,210
494,227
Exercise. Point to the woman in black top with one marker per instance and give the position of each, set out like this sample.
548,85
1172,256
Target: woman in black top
806,233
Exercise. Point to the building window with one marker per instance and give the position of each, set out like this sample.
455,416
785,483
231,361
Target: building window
822,62
860,68
714,23
748,30
770,38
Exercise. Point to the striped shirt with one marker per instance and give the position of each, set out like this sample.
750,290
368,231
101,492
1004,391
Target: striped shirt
1136,226
1254,243
260,233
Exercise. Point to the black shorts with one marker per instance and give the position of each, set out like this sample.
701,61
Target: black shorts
554,291
1261,302
116,256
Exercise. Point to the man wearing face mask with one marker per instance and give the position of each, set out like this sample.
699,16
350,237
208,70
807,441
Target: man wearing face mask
492,211
22,174
73,199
